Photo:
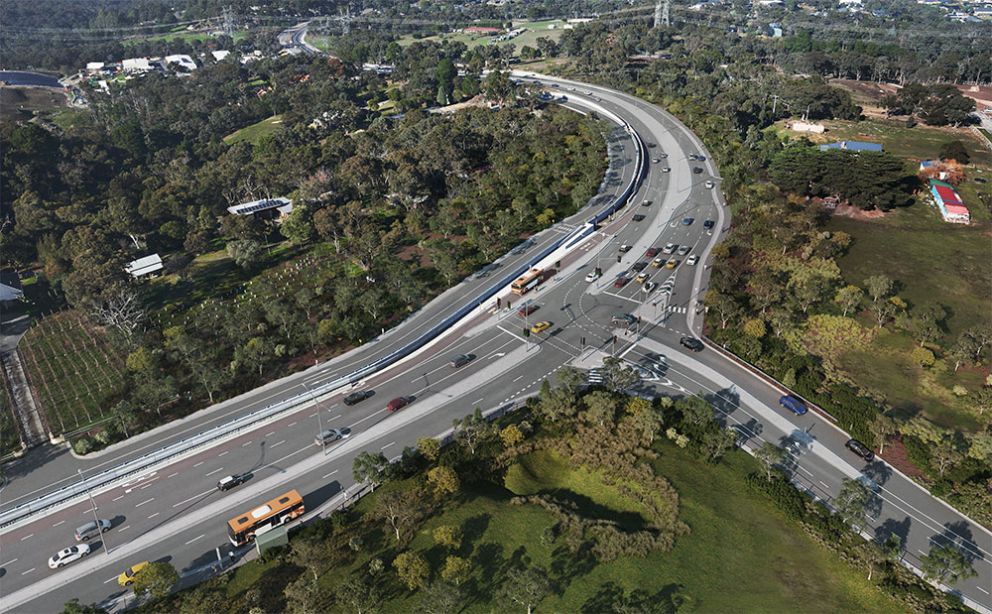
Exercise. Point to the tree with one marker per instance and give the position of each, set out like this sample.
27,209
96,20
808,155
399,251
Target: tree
849,299
413,570
946,564
525,587
304,595
448,536
444,480
121,312
441,598
618,376
360,595
955,150
770,455
852,502
399,509
311,553
430,448
879,287
298,226
511,436
156,578
456,569
883,427
472,430
370,468
245,252
74,607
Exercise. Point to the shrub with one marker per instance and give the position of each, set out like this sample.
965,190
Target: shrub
83,445
782,492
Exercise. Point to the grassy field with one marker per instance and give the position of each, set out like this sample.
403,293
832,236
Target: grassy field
255,132
535,30
183,35
73,369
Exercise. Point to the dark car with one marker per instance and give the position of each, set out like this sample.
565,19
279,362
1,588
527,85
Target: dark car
652,145
652,252
232,481
621,281
357,397
460,360
691,343
687,221
709,224
640,266
638,218
696,170
860,449
397,404
527,309
793,404
623,319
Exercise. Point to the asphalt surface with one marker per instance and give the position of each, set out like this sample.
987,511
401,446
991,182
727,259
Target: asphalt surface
176,514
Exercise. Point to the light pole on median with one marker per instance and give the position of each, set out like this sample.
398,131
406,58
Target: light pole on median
103,540
320,426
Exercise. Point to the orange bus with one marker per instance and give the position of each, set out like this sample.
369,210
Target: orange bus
527,282
279,511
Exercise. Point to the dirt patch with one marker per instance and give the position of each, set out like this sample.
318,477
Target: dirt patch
895,455
858,213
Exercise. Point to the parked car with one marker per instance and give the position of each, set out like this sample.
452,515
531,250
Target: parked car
127,576
684,250
687,221
527,309
623,319
692,260
655,160
691,343
231,481
647,203
793,404
709,224
68,555
652,252
639,218
663,155
397,404
652,145
460,360
860,449
696,170
331,435
92,529
592,276
540,327
357,397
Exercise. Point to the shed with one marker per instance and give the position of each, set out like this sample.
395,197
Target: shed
144,266
852,146
949,203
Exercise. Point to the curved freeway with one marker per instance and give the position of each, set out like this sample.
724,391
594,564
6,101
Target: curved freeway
175,513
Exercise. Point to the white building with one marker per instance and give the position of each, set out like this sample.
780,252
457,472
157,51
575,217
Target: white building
136,65
283,206
183,61
144,266
220,54
94,67
806,127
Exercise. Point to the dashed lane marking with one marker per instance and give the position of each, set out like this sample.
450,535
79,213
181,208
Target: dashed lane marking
10,562
194,497
278,443
518,379
194,539
28,536
58,523
213,472
477,401
270,433
329,474
313,415
246,444
119,498
172,475
144,502
122,529
24,573
110,580
224,453
391,443
154,515
292,424
198,464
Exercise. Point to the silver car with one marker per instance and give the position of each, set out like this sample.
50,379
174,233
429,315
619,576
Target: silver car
92,529
330,436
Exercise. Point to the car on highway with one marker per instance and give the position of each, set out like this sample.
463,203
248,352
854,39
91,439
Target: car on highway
127,576
793,404
68,555
232,481
710,184
656,362
460,360
331,435
709,224
647,203
658,262
671,263
860,449
623,319
643,277
527,309
639,218
639,266
540,327
655,160
649,287
651,252
691,343
697,170
685,249
652,145
666,169
687,221
663,155
92,529
592,276
669,248
397,404
357,397
625,248
621,281
692,260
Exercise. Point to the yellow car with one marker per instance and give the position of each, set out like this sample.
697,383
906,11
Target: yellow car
540,327
672,263
127,578
643,277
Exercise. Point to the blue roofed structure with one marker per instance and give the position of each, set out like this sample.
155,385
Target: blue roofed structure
852,146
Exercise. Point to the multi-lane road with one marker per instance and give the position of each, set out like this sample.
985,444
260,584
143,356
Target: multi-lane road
175,513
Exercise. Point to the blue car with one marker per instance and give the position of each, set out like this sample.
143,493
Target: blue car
687,221
793,404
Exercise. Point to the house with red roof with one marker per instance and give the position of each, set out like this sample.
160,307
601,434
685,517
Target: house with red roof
951,207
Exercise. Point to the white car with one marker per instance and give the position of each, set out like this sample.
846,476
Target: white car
666,170
70,554
692,260
710,184
648,287
592,276
685,249
669,248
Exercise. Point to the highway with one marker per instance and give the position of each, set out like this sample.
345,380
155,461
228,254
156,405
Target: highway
176,513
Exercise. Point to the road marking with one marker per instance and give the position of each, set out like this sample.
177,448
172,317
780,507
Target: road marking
224,453
122,529
24,573
246,444
144,502
194,539
119,498
329,474
982,589
369,417
198,464
278,443
213,472
825,485
110,580
477,401
292,424
518,379
28,536
172,475
313,415
154,515
391,443
58,523
10,562
206,492
270,434
335,417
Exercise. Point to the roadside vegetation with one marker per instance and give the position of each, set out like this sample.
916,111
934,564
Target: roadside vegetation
582,502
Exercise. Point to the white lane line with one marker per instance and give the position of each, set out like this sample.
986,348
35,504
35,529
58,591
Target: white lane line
224,453
58,523
313,415
28,536
172,475
122,529
329,474
110,580
477,401
825,485
270,434
391,443
278,443
292,424
119,498
369,417
335,417
154,515
144,502
10,562
518,379
194,539
198,464
206,492
213,472
982,589
246,444
24,573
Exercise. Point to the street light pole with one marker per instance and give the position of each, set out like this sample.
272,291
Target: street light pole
320,426
103,540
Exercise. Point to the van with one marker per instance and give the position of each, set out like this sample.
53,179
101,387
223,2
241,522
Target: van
793,404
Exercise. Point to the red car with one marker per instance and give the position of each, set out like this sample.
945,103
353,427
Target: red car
397,404
526,310
621,281
652,252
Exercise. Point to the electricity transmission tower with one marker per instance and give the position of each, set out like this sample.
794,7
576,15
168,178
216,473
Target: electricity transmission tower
661,14
228,21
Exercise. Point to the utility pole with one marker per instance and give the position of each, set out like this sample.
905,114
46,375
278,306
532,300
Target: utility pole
228,21
103,540
320,425
661,14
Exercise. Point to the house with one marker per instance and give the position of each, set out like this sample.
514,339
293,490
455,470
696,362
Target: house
220,54
951,207
852,146
183,61
770,3
801,126
136,65
933,165
10,286
266,208
144,266
94,67
482,31
775,30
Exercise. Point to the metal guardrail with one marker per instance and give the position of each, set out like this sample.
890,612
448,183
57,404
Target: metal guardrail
246,422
